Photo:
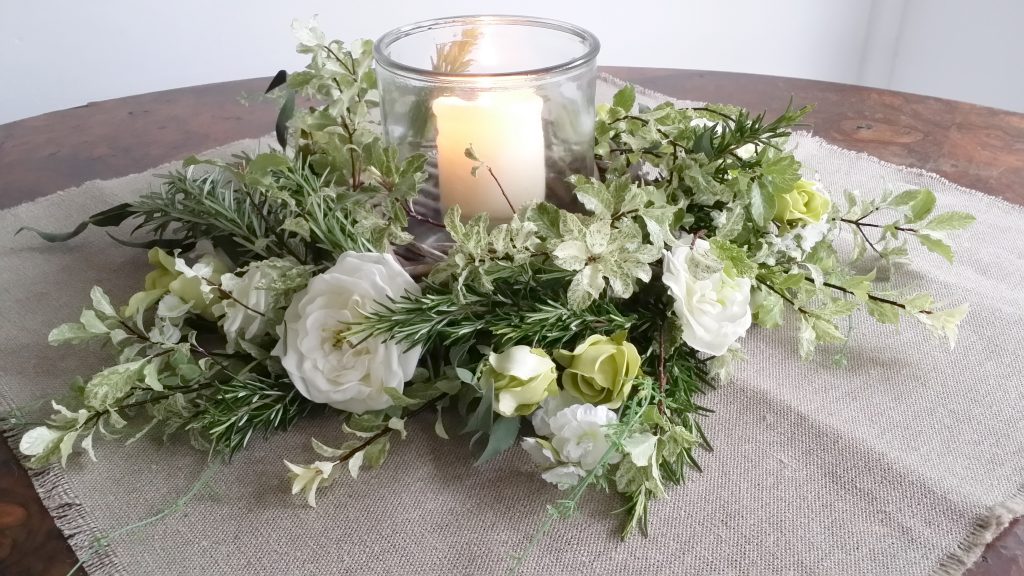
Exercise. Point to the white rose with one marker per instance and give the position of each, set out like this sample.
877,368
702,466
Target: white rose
244,315
329,371
712,307
578,434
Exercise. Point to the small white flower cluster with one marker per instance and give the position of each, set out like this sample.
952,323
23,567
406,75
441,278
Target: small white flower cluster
576,439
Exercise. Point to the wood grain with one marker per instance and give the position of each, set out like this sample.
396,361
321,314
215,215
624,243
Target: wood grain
978,147
30,543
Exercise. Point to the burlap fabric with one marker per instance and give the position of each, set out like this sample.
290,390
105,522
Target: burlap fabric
906,461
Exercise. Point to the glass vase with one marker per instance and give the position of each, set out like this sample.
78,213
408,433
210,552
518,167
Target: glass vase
503,107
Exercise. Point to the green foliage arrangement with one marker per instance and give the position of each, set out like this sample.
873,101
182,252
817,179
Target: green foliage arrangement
288,282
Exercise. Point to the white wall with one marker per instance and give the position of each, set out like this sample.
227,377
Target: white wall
968,50
62,53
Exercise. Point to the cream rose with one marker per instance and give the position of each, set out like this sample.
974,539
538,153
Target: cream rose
522,377
601,369
803,204
191,285
328,369
712,307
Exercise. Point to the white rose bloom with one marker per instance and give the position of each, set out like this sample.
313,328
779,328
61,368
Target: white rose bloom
243,316
578,434
550,406
325,370
713,308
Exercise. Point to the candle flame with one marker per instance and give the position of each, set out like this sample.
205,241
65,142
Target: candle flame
486,54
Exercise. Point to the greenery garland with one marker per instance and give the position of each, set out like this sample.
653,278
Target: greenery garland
591,335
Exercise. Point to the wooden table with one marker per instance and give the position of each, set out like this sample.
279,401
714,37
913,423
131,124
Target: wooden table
981,148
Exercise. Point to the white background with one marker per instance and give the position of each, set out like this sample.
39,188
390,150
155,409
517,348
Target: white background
57,54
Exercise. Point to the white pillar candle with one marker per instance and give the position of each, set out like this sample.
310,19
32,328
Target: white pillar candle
505,131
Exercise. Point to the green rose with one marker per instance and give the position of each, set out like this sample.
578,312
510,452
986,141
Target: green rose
803,203
167,278
601,369
522,378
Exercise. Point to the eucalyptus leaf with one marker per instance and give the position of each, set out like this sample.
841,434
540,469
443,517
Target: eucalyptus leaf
502,436
283,117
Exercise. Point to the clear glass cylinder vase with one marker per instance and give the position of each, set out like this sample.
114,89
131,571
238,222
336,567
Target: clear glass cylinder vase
503,106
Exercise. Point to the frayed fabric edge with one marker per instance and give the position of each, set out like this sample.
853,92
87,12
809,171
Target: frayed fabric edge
70,515
985,529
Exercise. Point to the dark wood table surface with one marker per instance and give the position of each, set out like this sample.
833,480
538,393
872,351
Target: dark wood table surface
978,147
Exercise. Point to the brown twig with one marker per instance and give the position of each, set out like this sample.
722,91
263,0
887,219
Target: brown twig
416,216
859,224
385,431
419,271
870,296
502,189
696,235
789,300
661,369
868,240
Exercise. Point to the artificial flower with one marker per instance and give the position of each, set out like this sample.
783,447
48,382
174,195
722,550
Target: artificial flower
601,370
712,307
550,406
243,316
803,204
324,366
541,451
579,435
522,378
193,285
565,476
308,478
